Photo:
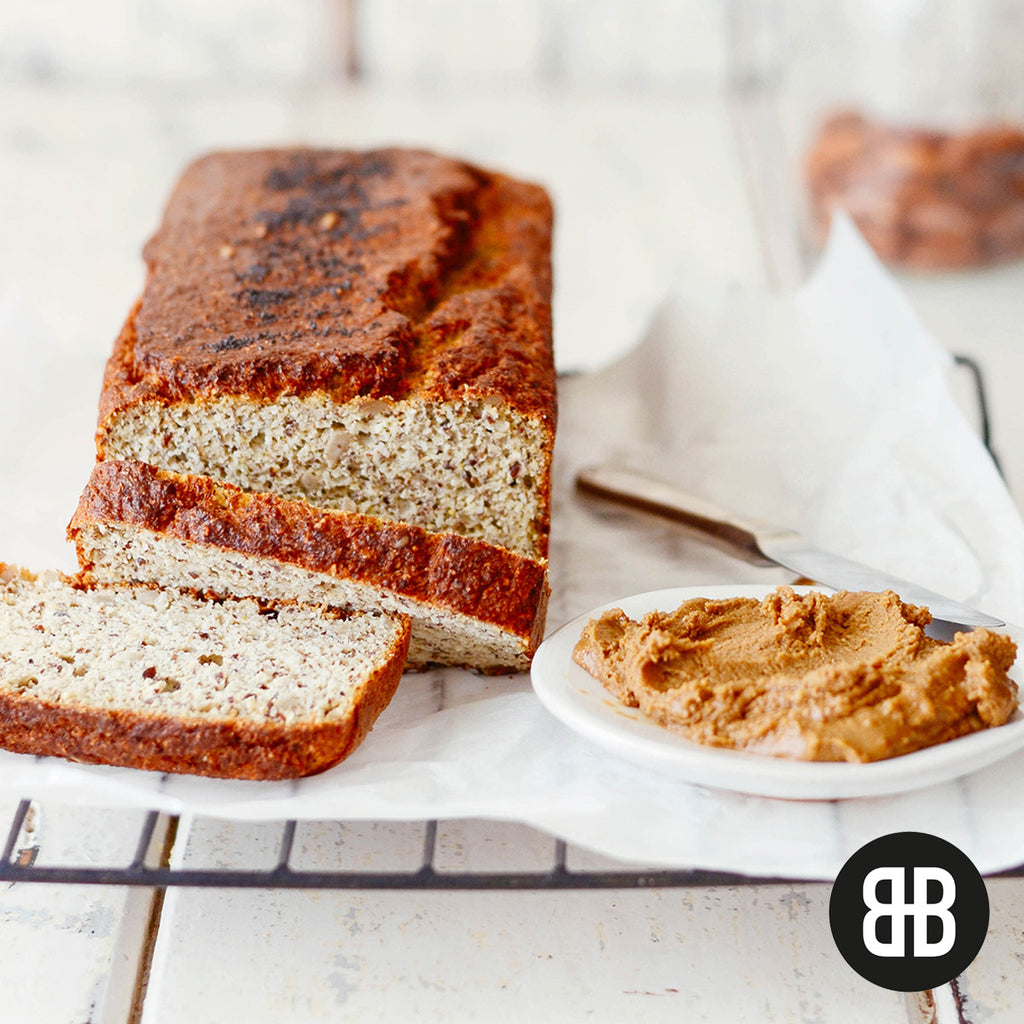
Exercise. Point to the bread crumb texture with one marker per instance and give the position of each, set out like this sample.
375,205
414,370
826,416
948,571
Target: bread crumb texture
156,652
476,468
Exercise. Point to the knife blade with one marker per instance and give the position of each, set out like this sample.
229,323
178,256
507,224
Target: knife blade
762,543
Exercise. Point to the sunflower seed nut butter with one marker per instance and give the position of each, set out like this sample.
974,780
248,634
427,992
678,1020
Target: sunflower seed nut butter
815,677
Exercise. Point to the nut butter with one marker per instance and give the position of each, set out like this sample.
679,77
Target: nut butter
847,677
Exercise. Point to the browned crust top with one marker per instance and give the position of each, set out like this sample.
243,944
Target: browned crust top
385,274
462,575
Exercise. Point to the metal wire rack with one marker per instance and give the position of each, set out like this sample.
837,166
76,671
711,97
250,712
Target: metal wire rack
151,866
20,855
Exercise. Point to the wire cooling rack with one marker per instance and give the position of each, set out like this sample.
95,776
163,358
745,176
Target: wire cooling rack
151,864
148,864
149,867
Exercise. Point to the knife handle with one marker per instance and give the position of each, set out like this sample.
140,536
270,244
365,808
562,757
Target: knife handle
735,534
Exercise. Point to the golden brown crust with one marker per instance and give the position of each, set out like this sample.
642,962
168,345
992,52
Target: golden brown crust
387,274
236,750
447,571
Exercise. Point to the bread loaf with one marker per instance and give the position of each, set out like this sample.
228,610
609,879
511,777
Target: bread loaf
470,603
154,679
368,332
922,198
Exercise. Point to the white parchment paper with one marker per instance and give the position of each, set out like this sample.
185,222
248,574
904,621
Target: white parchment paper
828,409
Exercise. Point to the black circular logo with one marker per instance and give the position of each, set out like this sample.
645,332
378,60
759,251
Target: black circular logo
909,911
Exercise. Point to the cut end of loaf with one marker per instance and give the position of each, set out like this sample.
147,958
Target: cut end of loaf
477,468
151,679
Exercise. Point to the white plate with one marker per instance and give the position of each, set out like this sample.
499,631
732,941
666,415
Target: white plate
582,703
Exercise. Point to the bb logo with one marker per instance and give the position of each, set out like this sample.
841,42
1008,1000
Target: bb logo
897,909
909,911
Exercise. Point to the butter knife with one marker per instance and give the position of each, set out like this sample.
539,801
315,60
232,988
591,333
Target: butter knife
763,543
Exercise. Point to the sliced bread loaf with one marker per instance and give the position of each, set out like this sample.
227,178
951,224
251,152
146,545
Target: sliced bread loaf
368,331
471,603
153,679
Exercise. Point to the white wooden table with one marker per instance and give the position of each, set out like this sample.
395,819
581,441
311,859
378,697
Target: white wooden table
82,178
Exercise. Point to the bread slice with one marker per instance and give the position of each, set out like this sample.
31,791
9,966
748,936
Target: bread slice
146,678
366,331
470,603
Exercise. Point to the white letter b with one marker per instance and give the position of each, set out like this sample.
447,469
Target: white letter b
923,910
896,910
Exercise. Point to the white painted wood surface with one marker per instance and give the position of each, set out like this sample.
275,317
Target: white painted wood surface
82,176
72,952
739,954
